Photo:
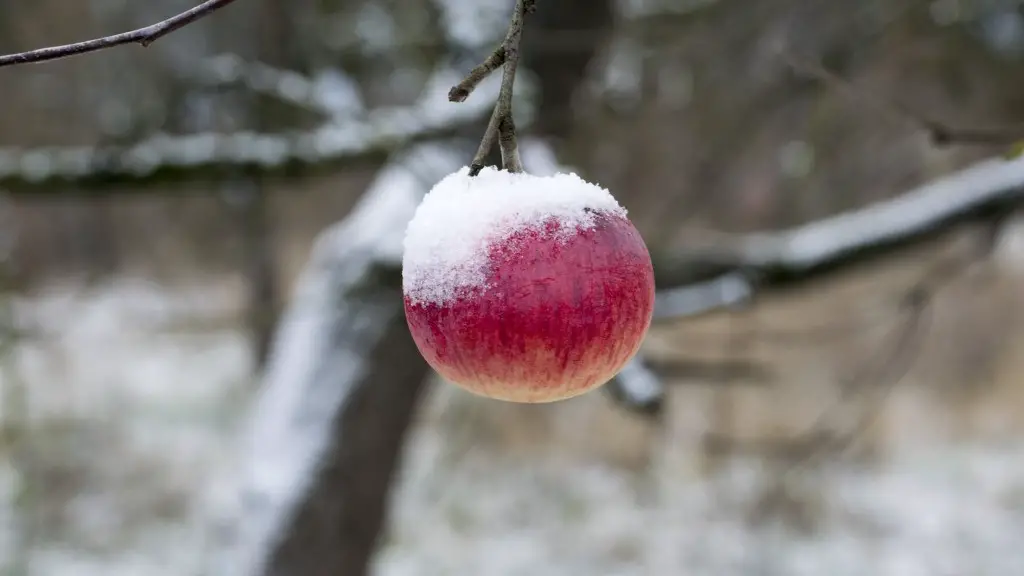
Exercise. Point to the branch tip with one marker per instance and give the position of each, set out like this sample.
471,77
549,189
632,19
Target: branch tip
458,94
463,89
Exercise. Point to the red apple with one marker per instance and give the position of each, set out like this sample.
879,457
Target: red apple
558,295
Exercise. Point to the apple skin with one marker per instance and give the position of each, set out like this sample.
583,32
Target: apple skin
558,316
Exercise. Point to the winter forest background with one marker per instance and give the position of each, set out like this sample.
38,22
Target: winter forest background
204,369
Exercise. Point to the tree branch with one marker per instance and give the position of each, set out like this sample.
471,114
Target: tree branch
981,191
835,430
143,36
463,89
941,134
166,158
303,92
501,125
637,388
202,157
838,427
735,270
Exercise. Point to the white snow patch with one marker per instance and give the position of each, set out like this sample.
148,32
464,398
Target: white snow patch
394,195
476,22
447,240
155,418
123,393
942,511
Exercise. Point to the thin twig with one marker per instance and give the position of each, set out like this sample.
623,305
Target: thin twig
510,158
143,36
501,122
463,89
164,158
822,437
940,133
486,143
943,135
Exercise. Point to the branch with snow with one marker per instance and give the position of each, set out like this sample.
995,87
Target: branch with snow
746,264
735,270
142,36
196,157
641,389
329,93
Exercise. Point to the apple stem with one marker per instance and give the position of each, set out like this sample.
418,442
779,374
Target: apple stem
509,146
501,126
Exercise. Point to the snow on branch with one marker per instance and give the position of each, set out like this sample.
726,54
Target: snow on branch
729,289
638,388
328,93
340,386
735,270
166,157
988,187
142,36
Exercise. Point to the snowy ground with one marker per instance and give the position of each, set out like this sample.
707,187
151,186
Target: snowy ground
117,443
937,513
117,425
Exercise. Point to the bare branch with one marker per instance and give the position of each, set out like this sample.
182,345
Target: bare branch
940,133
510,158
143,36
833,430
501,125
486,143
463,89
876,380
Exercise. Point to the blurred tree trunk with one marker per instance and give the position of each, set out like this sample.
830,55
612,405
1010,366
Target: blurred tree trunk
336,527
343,382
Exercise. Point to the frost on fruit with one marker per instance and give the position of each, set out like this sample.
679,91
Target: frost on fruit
525,288
447,241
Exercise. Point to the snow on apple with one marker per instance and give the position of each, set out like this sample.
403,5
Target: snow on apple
525,288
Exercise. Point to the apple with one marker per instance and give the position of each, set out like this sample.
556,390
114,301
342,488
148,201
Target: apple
525,288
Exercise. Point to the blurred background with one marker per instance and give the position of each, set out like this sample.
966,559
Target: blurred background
158,209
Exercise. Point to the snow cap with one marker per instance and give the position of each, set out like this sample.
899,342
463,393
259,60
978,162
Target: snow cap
447,241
